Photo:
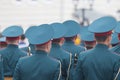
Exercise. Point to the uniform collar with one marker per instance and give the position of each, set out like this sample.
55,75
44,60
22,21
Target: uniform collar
69,42
101,46
12,46
41,52
55,45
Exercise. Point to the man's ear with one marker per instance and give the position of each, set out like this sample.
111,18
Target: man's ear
48,44
62,41
110,38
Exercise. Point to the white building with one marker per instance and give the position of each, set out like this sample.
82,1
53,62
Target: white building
36,12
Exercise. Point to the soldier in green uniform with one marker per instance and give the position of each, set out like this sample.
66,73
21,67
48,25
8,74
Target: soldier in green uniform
73,29
30,49
116,48
99,63
87,37
11,53
39,66
59,53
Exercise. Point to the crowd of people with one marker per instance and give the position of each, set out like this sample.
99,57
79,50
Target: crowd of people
53,52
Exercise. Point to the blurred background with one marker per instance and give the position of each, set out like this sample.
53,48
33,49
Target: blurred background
35,12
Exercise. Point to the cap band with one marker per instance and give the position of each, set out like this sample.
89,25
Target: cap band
3,43
90,42
12,38
103,34
119,36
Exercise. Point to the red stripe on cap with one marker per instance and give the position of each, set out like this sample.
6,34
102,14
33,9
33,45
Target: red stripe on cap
119,36
90,42
12,38
3,43
103,34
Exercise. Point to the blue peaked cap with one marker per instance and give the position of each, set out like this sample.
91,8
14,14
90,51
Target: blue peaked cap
13,31
115,39
117,29
85,35
73,28
3,39
29,30
103,24
40,34
59,30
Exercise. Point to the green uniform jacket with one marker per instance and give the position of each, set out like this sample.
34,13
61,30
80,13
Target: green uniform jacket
64,57
72,48
75,51
97,64
39,66
11,55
